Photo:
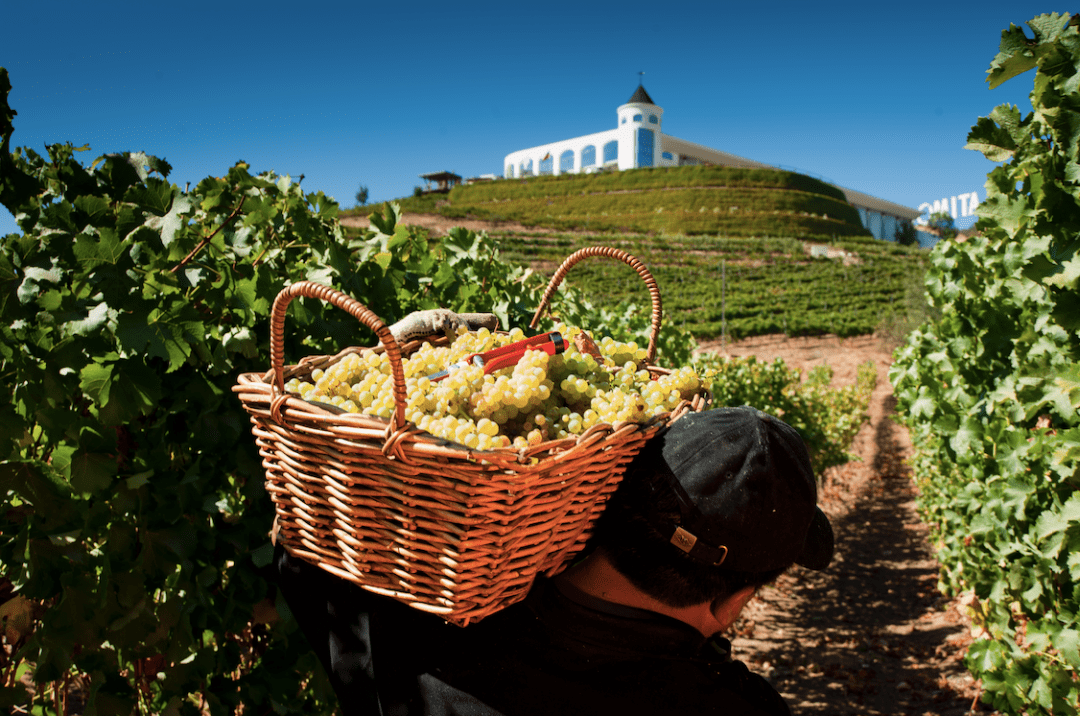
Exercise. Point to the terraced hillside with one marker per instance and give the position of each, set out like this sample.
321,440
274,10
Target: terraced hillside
676,200
760,286
729,247
667,201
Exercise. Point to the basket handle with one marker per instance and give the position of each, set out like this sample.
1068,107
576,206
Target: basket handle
632,262
360,312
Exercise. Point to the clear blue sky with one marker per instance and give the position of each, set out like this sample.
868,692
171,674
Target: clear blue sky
874,97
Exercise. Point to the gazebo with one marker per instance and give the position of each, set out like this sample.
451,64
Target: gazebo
444,181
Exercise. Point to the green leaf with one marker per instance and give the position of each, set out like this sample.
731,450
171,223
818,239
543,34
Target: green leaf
51,300
995,142
143,164
923,406
1068,275
95,320
154,196
173,220
92,472
262,556
136,481
1018,53
1067,642
95,207
33,278
1065,391
968,437
106,249
95,380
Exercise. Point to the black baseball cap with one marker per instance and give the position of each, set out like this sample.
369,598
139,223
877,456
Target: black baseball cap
746,491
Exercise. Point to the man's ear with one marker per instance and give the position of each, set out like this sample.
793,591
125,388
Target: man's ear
726,610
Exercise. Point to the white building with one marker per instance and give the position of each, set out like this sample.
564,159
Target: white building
638,141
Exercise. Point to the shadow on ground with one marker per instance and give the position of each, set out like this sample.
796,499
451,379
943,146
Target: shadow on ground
870,635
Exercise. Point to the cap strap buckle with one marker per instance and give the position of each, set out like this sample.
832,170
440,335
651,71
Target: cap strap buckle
688,542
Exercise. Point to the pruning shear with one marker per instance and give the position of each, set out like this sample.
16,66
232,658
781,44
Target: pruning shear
551,343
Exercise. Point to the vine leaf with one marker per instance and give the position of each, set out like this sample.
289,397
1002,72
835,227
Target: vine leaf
92,472
95,380
994,141
95,320
172,220
1018,54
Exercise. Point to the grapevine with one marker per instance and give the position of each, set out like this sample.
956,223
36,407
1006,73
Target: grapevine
991,389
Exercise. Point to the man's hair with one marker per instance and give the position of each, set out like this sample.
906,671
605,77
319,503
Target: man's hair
647,558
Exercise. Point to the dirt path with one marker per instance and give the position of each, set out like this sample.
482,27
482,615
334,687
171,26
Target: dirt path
870,635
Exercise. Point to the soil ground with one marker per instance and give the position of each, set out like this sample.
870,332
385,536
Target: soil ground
871,634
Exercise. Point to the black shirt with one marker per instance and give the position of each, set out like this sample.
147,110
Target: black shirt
561,651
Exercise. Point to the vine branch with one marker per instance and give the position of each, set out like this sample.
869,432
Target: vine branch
207,239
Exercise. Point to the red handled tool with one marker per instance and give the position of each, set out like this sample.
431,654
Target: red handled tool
551,343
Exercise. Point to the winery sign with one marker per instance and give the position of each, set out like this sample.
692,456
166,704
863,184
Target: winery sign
957,206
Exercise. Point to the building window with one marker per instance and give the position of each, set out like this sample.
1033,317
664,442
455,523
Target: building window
588,156
509,171
667,155
653,119
547,165
611,151
526,168
637,117
624,120
644,148
566,161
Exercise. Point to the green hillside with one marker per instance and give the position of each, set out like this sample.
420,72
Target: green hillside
699,229
759,286
677,200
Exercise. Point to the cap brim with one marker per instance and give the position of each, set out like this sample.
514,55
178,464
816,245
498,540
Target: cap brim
818,548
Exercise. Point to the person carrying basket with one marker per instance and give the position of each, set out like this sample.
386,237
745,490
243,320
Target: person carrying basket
716,505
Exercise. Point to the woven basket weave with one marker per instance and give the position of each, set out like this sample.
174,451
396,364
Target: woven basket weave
449,530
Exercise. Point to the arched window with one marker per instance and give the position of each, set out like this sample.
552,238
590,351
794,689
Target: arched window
611,151
644,148
624,120
547,165
509,171
526,168
566,161
588,156
667,155
637,117
653,119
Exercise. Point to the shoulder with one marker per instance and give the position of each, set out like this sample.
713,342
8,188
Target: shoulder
746,687
533,662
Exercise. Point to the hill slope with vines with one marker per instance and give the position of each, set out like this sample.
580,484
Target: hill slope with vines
672,200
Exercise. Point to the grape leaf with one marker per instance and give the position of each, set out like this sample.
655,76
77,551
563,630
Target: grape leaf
91,472
95,320
995,142
95,380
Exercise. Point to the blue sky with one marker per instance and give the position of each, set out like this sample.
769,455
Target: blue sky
877,98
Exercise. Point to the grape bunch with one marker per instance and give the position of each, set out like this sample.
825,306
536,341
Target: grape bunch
540,398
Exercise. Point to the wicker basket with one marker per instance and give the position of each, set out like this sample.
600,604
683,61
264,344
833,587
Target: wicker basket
446,529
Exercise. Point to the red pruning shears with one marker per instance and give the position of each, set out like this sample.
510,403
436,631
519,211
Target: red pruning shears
551,343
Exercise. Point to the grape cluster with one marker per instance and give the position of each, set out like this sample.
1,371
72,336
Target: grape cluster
540,398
